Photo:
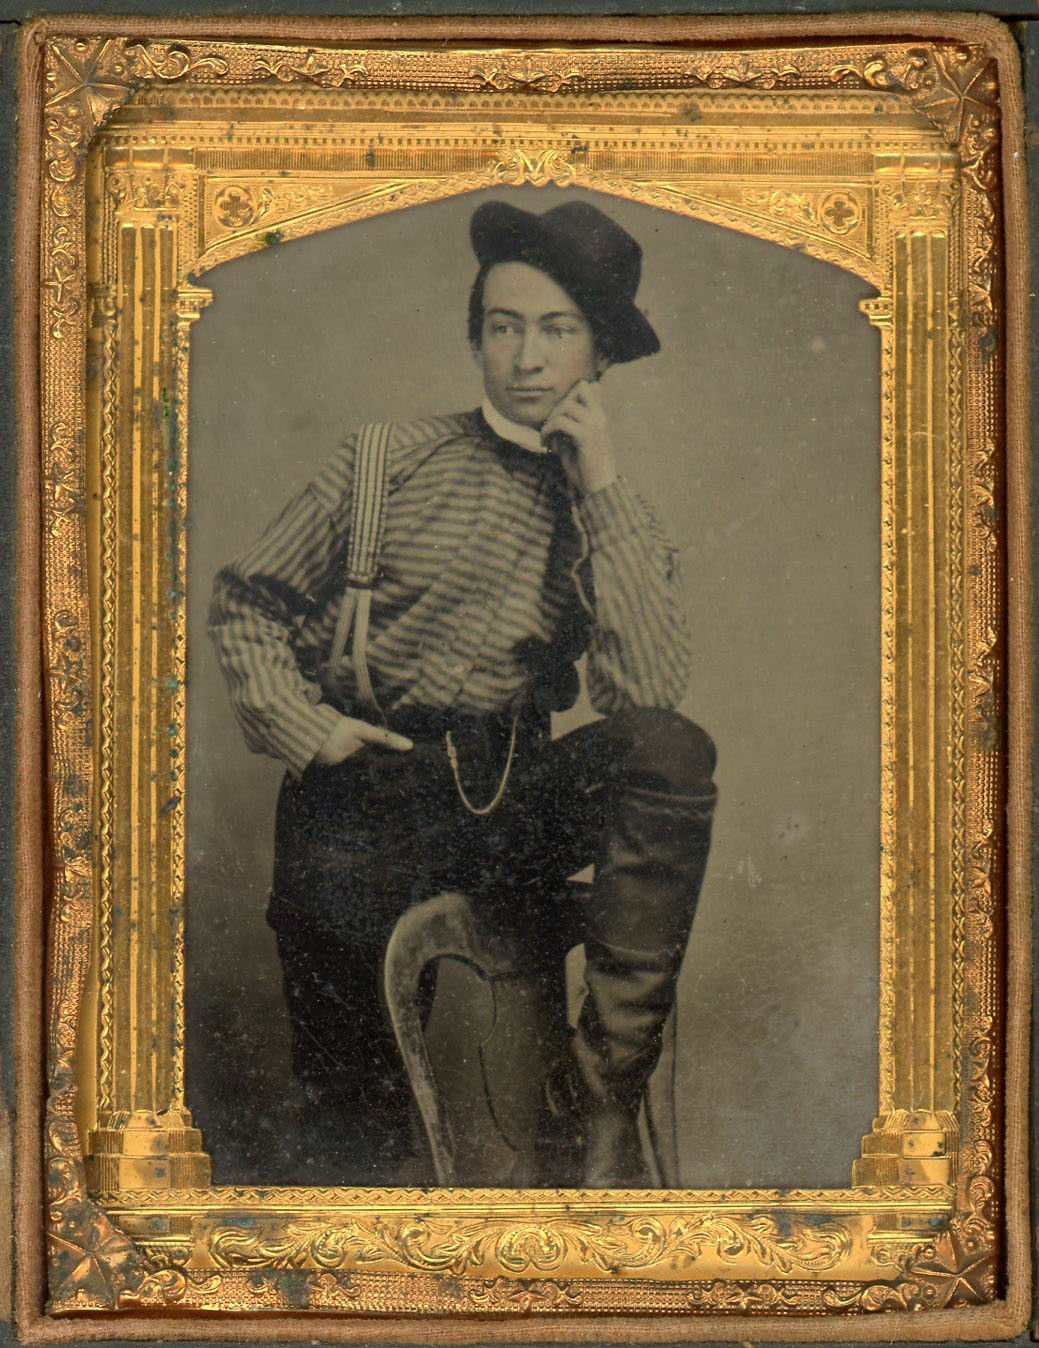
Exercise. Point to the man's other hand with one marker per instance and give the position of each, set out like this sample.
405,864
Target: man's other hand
351,735
586,454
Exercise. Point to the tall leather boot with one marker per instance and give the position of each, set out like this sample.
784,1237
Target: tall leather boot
647,883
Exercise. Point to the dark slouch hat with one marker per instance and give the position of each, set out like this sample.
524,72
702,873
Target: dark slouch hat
595,261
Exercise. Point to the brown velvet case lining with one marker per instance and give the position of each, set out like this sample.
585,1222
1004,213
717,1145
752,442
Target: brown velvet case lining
1002,1320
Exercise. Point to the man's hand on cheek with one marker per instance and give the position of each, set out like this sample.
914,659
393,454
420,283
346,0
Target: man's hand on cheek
350,735
587,457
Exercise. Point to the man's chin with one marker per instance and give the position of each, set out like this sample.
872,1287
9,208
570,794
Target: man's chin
527,414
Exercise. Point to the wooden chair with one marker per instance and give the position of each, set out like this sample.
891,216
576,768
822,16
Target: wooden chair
451,926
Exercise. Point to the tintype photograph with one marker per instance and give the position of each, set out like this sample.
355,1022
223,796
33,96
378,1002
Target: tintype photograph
648,533
535,675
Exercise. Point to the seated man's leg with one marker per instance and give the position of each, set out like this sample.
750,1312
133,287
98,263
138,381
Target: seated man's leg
641,780
356,844
355,1103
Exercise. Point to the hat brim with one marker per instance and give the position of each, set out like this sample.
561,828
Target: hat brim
504,233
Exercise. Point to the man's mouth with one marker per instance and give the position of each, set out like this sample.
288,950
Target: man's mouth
519,389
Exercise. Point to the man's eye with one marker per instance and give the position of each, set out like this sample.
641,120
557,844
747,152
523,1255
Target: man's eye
561,330
500,328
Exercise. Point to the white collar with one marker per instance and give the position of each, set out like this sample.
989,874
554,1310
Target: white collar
524,436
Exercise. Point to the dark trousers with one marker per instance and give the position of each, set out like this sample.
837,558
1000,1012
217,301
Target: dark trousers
358,843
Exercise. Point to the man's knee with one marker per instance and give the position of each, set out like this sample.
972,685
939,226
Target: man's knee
665,751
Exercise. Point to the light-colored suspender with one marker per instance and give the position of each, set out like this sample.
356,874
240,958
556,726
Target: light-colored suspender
362,563
367,522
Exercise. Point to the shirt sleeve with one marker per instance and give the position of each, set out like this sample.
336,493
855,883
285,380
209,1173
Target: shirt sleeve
259,602
639,653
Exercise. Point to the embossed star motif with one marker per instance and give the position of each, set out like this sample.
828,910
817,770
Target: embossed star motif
959,1273
963,92
89,1261
87,78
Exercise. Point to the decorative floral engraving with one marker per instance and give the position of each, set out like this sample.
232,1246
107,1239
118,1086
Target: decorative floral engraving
62,281
168,1286
167,61
985,675
799,206
983,854
63,479
840,212
66,140
982,268
145,191
919,200
986,510
278,204
731,211
740,71
742,1297
286,199
236,207
837,212
67,673
975,1221
897,1252
445,1245
74,872
521,1297
548,166
315,68
331,1289
527,75
977,1158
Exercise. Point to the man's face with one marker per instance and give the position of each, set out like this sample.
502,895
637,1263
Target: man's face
535,343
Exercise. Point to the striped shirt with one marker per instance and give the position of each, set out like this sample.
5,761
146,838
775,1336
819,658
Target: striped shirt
491,583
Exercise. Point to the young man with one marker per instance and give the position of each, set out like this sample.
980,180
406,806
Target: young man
511,547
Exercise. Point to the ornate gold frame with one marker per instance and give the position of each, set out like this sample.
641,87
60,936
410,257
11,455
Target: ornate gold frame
163,155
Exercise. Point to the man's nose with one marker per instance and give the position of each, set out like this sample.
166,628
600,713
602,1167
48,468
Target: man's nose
531,353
